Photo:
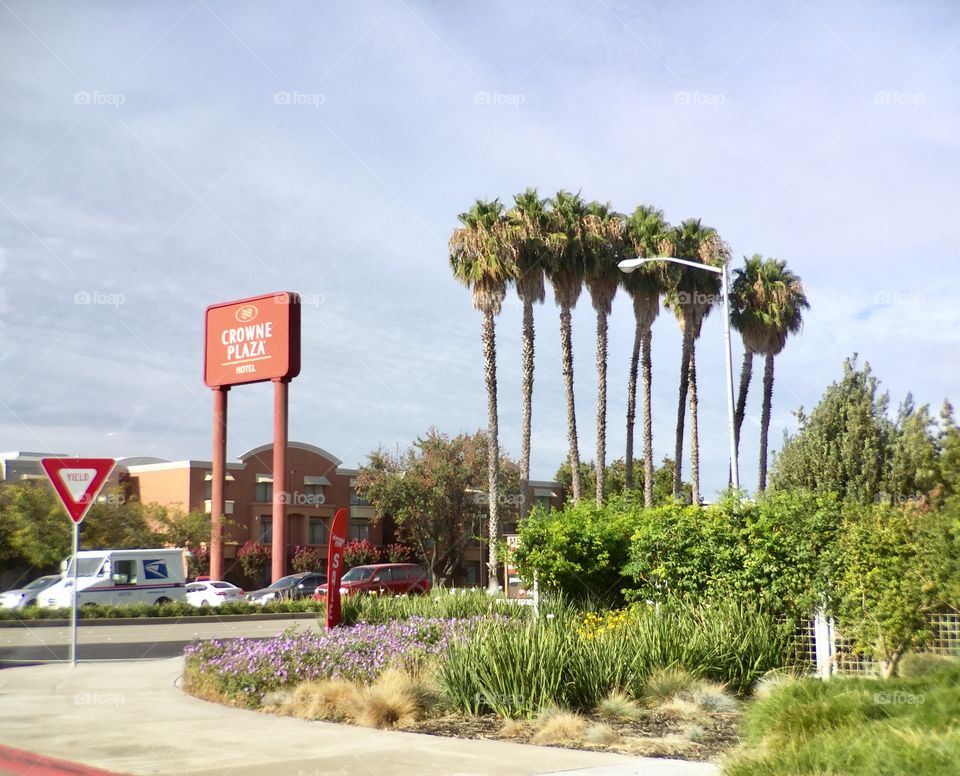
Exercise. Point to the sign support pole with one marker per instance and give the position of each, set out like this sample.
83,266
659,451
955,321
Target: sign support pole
280,498
218,481
76,595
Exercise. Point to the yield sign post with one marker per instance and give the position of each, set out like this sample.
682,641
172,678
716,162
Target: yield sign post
78,482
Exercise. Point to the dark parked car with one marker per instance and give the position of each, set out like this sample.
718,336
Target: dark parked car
383,579
291,586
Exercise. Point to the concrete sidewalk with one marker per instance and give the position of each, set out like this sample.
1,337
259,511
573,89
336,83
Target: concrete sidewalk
130,717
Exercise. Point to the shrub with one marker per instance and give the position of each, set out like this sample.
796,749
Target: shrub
253,559
308,559
440,604
360,552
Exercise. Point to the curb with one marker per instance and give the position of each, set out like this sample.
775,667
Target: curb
82,623
21,761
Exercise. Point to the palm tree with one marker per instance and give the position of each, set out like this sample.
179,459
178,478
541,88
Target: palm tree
528,223
645,231
565,270
767,304
692,294
481,262
603,246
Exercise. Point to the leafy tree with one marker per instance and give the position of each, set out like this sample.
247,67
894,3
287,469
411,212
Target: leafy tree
949,447
914,471
566,269
253,559
843,446
898,565
645,231
431,491
480,260
616,480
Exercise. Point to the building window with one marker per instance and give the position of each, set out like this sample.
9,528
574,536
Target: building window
264,492
266,530
355,500
207,490
315,496
319,531
473,574
359,530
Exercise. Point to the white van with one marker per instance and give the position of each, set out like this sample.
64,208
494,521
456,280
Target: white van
121,577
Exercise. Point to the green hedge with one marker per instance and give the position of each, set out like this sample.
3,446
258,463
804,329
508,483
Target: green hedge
175,609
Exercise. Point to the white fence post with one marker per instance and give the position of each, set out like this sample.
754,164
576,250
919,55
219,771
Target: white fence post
823,640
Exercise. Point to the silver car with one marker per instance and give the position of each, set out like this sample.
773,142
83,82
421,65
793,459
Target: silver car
25,596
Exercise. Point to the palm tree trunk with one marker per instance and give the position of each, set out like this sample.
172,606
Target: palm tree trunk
632,407
527,391
601,405
746,373
566,347
682,407
694,427
493,445
646,341
765,419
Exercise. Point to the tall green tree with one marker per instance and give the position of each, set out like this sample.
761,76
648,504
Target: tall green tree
645,231
915,471
566,270
481,261
431,490
604,232
528,222
949,446
767,304
691,294
843,445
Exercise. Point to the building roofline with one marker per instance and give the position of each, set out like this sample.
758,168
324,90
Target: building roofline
185,464
297,446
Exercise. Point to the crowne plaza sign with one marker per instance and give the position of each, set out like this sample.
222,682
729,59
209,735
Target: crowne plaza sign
251,340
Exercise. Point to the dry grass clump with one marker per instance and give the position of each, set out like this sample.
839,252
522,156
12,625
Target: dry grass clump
396,699
600,734
668,746
710,696
665,683
513,728
329,699
559,727
771,681
680,708
619,705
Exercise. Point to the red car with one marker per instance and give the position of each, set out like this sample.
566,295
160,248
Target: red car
383,579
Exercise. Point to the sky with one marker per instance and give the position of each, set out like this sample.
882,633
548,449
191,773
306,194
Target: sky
157,158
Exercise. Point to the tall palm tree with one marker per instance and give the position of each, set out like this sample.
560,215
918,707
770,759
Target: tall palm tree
528,224
603,247
565,270
692,294
481,262
769,300
645,231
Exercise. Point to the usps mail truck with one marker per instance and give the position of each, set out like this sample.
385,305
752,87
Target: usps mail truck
121,577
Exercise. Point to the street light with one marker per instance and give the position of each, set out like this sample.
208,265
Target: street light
629,265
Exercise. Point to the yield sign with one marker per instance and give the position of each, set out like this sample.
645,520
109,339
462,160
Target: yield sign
77,481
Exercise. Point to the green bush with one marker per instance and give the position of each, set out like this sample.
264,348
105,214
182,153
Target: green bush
518,668
857,727
173,609
439,604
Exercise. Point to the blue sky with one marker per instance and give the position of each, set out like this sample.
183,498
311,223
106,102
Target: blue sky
158,158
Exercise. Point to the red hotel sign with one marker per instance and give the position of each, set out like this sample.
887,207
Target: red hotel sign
251,340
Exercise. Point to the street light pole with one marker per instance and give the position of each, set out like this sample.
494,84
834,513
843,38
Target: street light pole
629,265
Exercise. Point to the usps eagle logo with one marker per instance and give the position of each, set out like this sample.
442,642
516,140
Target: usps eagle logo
155,569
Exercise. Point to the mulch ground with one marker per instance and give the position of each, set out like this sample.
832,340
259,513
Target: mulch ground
654,734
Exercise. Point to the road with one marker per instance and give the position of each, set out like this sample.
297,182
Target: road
20,646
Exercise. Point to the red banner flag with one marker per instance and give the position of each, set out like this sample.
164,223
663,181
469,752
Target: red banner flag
338,538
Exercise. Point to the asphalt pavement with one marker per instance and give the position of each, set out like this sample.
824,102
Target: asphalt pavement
132,718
